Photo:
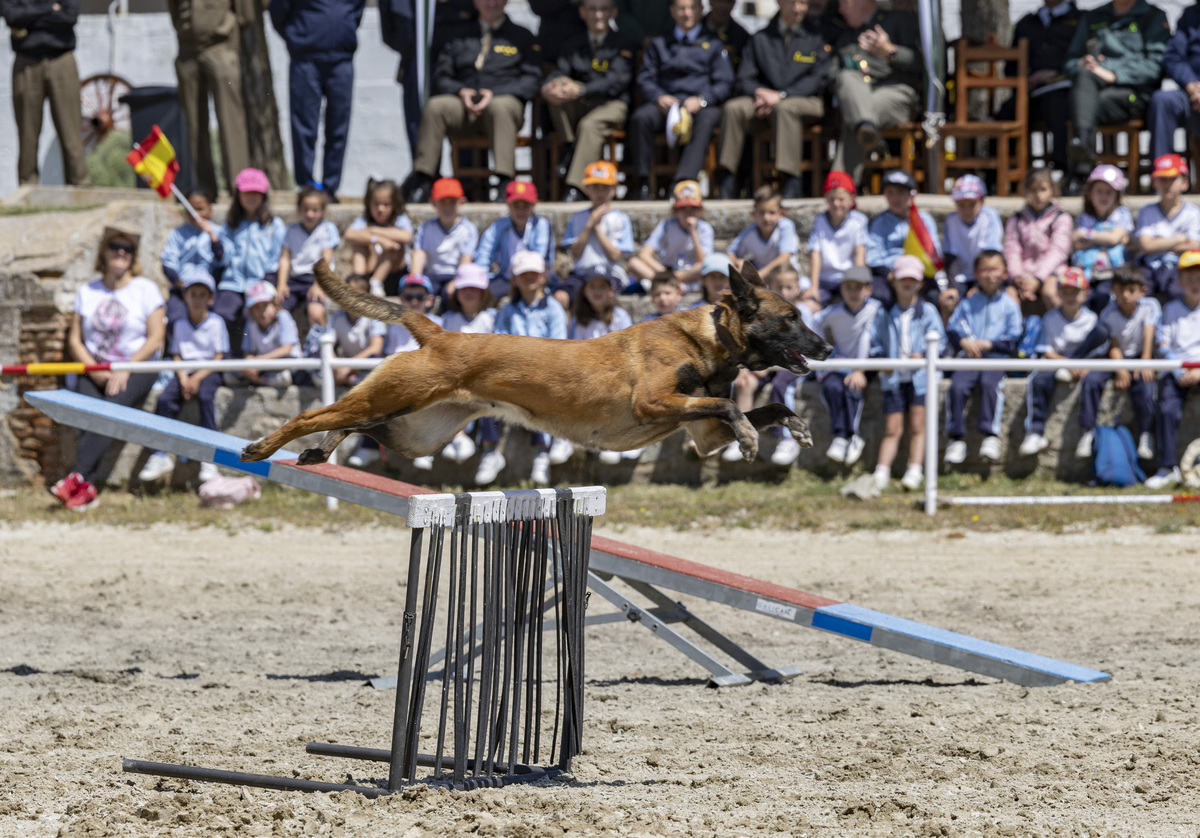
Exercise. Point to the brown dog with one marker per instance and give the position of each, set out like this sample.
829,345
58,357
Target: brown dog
621,391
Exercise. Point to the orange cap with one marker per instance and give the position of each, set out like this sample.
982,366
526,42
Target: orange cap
602,172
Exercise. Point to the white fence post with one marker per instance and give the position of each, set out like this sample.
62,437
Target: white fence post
328,393
932,390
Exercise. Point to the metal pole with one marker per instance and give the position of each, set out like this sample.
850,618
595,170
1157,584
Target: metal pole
328,395
932,390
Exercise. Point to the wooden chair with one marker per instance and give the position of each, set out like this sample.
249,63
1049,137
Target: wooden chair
814,162
904,148
662,167
469,159
981,67
612,151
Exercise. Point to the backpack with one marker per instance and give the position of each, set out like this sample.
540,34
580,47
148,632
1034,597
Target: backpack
1116,462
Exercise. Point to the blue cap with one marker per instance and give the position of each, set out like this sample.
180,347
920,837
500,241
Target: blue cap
715,263
602,271
417,279
196,275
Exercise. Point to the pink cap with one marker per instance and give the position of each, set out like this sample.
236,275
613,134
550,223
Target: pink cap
259,292
470,275
908,266
252,180
526,261
1110,174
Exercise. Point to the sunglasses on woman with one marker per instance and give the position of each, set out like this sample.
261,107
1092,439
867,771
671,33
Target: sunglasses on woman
121,247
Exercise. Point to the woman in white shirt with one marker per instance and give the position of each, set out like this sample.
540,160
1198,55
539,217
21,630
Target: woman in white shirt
119,316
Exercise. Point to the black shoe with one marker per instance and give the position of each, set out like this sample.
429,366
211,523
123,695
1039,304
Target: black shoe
868,136
500,187
564,165
1081,157
727,186
1072,187
640,192
416,188
791,188
573,195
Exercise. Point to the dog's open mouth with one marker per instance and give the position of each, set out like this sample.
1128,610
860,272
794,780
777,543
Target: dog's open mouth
797,362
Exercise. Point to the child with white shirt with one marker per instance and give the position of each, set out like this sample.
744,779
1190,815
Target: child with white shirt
270,334
848,326
356,336
838,239
1069,331
306,242
470,309
771,241
970,229
597,314
599,235
416,293
1167,228
1178,339
678,243
379,238
446,241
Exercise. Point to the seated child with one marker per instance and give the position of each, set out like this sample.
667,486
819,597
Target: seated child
1178,340
199,336
785,282
900,333
678,243
1037,242
535,313
446,241
194,243
416,294
1069,331
355,336
986,324
838,239
597,314
1101,232
888,231
665,295
1167,228
970,229
379,238
521,229
599,235
1130,319
306,242
469,309
714,279
848,326
771,241
270,334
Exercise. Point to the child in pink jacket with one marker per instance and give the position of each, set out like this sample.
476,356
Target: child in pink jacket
1037,243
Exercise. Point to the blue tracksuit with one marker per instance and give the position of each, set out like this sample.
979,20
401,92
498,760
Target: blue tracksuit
188,245
500,241
321,37
924,318
998,319
1170,109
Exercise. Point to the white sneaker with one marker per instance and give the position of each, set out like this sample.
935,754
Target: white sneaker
490,465
1030,445
837,449
731,453
1064,375
363,457
633,454
376,286
786,452
1083,450
1164,478
956,452
883,476
159,465
460,449
281,378
423,463
610,458
208,471
913,477
854,449
1145,447
540,473
560,451
989,449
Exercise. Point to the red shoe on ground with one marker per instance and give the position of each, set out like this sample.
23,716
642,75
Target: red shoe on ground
68,486
83,499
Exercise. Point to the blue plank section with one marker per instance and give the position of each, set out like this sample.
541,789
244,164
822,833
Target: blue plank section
972,645
229,459
838,625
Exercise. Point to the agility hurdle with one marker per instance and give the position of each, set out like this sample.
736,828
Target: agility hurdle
645,571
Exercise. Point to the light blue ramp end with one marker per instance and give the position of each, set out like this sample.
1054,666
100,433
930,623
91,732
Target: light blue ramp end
949,647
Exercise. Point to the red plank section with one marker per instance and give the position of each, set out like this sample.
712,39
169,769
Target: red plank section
365,479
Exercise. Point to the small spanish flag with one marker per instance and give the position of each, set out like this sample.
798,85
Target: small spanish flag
154,161
919,243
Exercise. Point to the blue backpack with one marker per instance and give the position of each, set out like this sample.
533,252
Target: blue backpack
1116,462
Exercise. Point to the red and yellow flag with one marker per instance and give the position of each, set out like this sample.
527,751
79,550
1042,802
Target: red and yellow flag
919,243
154,161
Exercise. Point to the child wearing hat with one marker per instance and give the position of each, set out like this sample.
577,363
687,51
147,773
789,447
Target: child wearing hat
838,239
1101,232
971,229
599,235
196,243
445,241
470,309
253,241
1178,340
1167,228
521,229
1070,331
887,231
416,294
678,243
198,336
270,334
1131,320
900,333
849,327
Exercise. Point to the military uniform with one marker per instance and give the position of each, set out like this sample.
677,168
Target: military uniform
872,88
209,62
509,66
1132,45
605,69
1049,32
795,63
734,36
1171,109
680,65
43,41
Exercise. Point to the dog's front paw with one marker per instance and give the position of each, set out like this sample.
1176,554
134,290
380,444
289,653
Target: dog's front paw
254,452
311,457
749,448
800,431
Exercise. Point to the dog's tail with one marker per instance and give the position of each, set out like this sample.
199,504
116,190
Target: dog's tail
373,308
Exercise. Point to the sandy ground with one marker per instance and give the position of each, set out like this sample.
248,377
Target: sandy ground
866,742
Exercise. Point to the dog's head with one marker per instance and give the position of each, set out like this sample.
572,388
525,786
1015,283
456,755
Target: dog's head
772,332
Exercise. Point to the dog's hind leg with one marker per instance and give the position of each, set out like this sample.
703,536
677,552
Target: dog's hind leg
354,411
322,453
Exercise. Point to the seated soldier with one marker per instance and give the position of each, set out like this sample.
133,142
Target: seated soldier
720,20
482,80
589,92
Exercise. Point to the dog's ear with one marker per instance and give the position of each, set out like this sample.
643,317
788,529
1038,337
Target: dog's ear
742,283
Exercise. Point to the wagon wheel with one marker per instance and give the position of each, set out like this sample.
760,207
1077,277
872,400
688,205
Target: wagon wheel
101,110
